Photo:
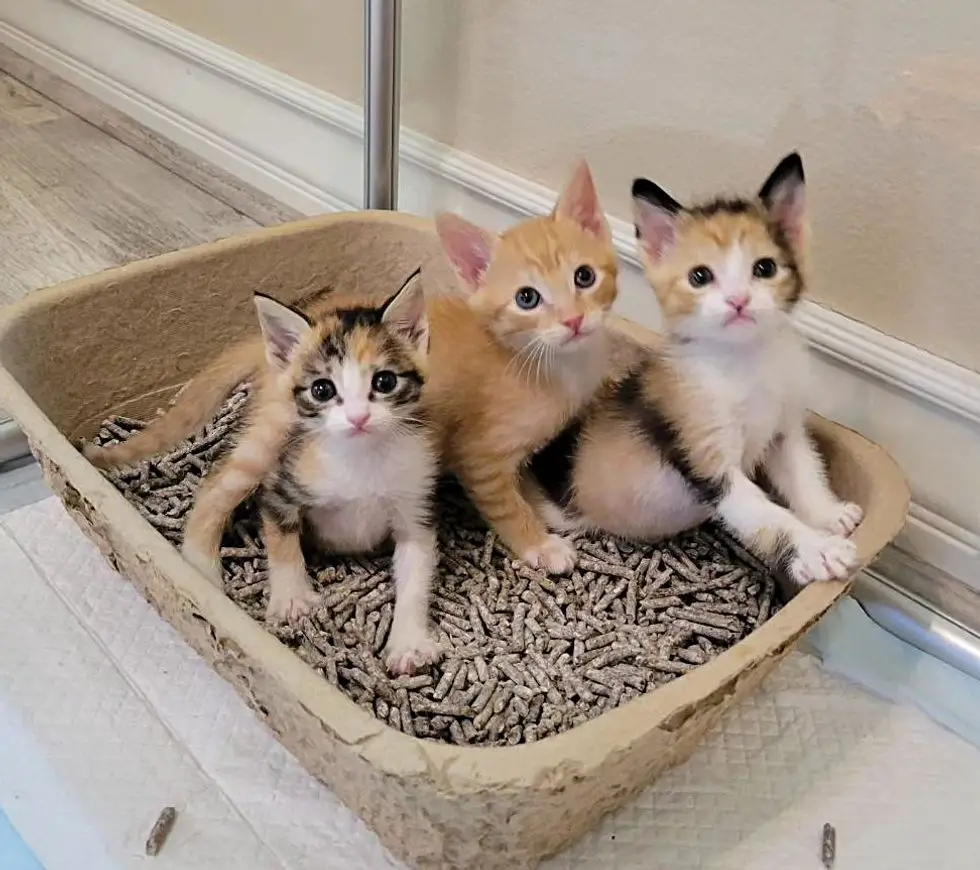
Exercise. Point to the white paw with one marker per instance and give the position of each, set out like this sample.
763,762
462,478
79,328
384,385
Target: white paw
208,564
819,557
554,554
410,650
289,605
842,519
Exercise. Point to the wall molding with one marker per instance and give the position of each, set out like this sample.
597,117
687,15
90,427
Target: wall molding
304,147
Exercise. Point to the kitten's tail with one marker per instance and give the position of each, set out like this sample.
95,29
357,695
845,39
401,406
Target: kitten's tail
194,406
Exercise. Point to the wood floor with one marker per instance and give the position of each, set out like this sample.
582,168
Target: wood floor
75,199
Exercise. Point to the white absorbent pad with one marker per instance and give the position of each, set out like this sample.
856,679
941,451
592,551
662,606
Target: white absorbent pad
107,716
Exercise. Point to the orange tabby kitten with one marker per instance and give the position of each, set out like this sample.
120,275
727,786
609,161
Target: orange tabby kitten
680,438
514,355
519,353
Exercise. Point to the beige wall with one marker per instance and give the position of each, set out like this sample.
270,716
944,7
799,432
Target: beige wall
882,97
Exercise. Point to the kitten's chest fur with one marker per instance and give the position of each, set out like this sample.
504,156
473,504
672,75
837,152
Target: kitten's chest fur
749,395
356,493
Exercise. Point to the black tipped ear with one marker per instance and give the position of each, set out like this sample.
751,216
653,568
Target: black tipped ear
655,195
784,195
789,173
655,217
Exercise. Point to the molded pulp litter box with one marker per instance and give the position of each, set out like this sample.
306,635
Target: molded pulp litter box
125,340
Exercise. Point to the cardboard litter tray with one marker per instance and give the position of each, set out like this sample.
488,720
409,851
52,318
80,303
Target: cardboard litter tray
125,340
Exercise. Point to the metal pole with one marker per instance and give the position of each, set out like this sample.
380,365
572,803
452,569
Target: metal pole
382,62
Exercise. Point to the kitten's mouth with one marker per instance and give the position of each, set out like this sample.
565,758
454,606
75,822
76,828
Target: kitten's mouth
738,317
577,337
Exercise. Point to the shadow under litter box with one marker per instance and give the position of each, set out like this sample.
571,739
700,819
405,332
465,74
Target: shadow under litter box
526,655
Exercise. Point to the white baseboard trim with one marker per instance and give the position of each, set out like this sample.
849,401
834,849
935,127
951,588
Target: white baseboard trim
304,147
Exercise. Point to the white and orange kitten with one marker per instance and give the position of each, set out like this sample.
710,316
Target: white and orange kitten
684,434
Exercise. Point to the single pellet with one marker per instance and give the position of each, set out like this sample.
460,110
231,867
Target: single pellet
161,830
828,846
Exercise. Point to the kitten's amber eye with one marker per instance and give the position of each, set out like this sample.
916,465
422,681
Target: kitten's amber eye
384,381
323,390
527,298
584,277
700,276
764,268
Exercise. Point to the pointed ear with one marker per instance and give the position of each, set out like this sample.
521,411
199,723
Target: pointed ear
579,203
784,195
404,314
469,248
282,328
655,214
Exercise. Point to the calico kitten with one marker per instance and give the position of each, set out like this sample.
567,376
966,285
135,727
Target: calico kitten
519,352
680,438
335,445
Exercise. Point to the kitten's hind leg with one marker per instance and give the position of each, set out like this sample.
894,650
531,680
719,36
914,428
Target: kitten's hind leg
794,467
290,593
218,496
782,538
223,490
411,645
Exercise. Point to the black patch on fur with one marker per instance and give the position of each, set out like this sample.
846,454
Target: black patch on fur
553,465
282,497
306,405
350,318
724,205
408,391
663,434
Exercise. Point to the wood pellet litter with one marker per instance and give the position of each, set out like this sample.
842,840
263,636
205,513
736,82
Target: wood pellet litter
828,846
527,655
161,830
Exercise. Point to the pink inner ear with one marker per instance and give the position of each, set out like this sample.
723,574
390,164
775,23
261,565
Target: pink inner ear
789,209
579,202
655,227
280,340
468,247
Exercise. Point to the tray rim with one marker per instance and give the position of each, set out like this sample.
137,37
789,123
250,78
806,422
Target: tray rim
452,769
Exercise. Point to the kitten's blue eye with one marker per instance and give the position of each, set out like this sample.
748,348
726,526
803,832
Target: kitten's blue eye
584,277
323,390
527,298
764,268
384,381
700,276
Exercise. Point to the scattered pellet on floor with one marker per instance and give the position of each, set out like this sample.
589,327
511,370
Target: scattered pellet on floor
527,655
161,830
828,846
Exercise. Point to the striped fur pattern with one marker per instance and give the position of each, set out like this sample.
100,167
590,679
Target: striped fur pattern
684,433
519,352
336,446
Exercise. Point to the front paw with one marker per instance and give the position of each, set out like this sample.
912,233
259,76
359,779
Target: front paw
818,557
554,554
410,650
290,604
841,518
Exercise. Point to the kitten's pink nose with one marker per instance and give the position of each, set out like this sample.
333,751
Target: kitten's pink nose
738,302
574,323
359,421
